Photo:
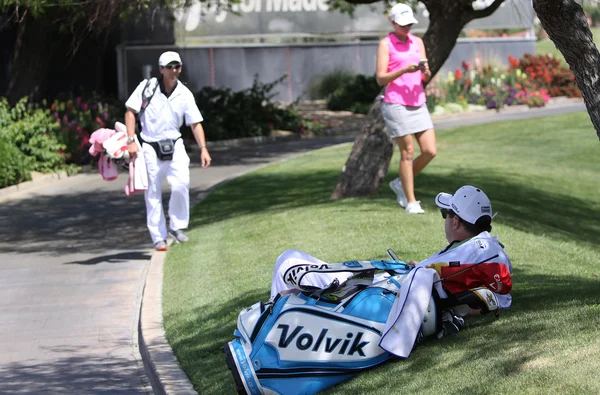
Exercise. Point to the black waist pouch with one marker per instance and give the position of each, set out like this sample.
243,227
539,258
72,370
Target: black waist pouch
164,148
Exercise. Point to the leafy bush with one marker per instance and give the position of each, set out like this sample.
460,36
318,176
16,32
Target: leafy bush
14,165
33,131
548,72
355,94
78,118
245,113
325,84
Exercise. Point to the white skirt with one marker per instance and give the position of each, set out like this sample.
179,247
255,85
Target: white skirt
402,120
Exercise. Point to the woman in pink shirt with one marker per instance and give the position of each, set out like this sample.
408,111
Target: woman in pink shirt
401,69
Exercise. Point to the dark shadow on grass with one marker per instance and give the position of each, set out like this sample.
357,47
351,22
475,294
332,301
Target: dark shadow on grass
532,293
259,192
200,348
199,340
522,207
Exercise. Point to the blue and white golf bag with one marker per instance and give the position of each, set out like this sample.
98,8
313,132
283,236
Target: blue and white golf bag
305,342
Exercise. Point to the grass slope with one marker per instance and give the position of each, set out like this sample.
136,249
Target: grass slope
542,175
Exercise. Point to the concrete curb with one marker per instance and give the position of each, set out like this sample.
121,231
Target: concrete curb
160,362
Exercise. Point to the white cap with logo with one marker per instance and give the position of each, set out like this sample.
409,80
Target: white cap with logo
402,15
169,57
468,202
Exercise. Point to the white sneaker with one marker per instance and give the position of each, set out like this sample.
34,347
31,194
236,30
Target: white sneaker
414,208
396,186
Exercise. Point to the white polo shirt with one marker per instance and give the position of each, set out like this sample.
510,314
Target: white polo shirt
165,115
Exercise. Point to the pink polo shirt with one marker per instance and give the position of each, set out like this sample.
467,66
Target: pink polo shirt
406,89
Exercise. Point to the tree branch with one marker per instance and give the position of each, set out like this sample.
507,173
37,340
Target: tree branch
362,1
477,14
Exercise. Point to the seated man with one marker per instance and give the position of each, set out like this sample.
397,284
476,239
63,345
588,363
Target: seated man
468,218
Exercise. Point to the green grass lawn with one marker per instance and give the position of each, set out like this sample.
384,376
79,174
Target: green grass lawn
547,46
542,175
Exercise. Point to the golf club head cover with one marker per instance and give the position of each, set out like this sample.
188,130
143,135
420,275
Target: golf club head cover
478,298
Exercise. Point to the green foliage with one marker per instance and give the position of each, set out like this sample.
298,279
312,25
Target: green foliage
324,85
593,11
33,132
355,94
247,113
14,165
78,118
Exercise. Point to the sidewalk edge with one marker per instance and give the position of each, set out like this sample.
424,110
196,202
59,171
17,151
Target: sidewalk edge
160,363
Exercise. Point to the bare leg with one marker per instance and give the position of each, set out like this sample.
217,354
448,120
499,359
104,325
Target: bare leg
426,141
405,170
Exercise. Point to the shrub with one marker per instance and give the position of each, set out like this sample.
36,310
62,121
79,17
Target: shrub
33,131
326,84
548,72
245,113
14,165
355,94
78,118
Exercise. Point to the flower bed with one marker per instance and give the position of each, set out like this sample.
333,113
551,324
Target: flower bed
531,80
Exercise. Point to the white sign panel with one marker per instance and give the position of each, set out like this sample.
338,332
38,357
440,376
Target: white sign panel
276,18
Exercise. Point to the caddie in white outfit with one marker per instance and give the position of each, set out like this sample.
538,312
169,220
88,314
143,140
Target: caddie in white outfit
468,218
164,105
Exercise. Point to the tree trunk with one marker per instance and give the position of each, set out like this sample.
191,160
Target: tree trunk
445,24
369,160
567,27
32,51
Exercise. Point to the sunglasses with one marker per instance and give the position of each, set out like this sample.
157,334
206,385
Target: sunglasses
445,212
173,66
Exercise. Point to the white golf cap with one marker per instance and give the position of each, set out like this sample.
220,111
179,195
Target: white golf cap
468,202
402,15
169,57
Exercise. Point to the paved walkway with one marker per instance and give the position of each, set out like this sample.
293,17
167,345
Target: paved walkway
74,260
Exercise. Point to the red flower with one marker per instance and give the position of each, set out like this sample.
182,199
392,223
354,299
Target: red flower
458,74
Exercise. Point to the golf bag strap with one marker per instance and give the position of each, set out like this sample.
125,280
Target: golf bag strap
147,95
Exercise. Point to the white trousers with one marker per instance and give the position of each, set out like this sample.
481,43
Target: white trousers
177,172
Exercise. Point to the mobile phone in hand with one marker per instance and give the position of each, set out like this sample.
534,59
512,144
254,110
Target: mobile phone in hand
422,63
